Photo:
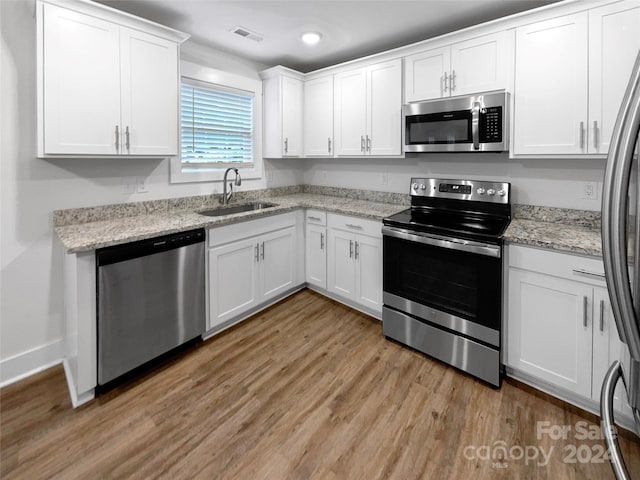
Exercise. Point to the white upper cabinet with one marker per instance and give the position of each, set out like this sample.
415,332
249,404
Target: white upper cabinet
149,93
614,41
282,110
318,117
571,74
368,103
551,86
105,88
476,65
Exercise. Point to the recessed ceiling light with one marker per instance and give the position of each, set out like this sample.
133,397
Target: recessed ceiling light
311,38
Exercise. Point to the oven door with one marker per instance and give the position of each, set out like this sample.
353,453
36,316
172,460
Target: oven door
452,283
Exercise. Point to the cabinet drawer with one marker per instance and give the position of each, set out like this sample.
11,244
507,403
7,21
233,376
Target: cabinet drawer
316,217
355,224
251,228
566,265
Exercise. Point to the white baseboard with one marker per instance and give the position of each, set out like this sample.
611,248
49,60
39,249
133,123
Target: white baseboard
30,362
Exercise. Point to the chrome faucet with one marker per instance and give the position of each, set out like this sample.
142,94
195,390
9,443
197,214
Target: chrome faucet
226,196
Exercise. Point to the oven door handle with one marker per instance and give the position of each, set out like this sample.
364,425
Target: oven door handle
444,242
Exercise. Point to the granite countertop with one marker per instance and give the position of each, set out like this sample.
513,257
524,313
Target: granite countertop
566,230
90,235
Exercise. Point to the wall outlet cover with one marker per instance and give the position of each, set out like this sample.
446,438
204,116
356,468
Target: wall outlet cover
590,190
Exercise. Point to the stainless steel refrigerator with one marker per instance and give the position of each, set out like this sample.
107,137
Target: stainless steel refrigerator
621,252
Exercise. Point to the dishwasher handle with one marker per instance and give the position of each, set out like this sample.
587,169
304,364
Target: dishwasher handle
149,246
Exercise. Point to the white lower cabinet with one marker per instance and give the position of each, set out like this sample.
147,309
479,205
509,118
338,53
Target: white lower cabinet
249,264
559,326
316,248
354,260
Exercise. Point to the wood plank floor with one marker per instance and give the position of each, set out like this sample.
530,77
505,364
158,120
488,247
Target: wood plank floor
308,389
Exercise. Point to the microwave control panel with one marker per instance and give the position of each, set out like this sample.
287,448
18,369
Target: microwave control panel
491,125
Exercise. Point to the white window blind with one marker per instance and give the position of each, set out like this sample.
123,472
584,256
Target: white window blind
216,125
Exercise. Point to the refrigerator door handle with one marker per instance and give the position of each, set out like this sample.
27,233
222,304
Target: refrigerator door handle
614,212
607,422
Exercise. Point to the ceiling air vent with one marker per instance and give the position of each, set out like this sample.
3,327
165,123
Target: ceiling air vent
246,33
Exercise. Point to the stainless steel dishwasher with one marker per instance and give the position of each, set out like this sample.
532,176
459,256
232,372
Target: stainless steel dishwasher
151,299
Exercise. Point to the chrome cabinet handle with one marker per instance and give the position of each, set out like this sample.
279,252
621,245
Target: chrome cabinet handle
453,80
602,315
117,139
362,143
585,303
257,252
581,271
357,250
475,125
286,145
329,145
351,225
350,248
581,134
262,251
126,136
315,219
368,144
322,241
595,134
445,82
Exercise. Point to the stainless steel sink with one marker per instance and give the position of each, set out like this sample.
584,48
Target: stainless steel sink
245,207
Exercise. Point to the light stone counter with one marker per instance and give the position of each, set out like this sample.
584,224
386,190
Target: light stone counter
572,231
122,227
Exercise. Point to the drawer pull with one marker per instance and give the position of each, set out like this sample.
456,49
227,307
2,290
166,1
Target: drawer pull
357,227
315,219
581,271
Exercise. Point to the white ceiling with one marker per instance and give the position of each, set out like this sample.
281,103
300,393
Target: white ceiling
350,28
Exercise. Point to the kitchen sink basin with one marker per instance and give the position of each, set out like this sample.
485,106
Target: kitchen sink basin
246,207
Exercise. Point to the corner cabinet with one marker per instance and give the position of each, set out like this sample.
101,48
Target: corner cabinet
570,76
354,260
560,330
367,110
471,66
282,110
108,84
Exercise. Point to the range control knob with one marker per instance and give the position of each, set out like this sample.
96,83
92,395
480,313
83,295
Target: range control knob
502,193
414,186
423,186
491,192
480,191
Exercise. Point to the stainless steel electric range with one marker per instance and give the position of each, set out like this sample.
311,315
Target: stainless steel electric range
442,275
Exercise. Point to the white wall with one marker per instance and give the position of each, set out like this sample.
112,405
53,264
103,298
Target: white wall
556,183
31,323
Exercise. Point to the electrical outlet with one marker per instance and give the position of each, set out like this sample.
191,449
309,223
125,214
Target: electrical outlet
384,179
141,185
590,190
128,186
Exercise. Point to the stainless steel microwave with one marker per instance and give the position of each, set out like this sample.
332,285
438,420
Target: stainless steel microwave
468,123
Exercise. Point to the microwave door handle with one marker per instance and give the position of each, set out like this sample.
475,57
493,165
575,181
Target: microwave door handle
475,125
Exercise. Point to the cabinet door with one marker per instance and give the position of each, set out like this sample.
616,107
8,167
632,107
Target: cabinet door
614,41
424,74
277,262
350,112
551,87
368,256
291,117
341,277
384,104
549,329
81,84
149,94
316,256
318,117
479,64
233,280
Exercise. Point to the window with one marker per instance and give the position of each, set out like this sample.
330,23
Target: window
221,125
216,125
